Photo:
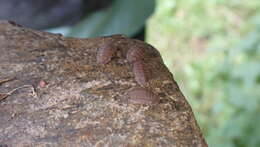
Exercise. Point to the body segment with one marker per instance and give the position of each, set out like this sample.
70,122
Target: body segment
143,96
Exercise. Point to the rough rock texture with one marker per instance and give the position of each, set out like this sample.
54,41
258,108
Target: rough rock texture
65,98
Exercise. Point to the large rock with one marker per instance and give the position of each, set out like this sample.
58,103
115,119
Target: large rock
69,98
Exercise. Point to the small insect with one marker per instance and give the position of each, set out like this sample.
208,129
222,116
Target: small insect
109,48
134,54
106,52
141,72
143,96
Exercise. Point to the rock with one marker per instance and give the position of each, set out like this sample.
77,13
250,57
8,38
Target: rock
62,97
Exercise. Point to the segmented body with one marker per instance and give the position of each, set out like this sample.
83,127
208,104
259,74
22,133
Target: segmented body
135,54
143,96
106,52
109,48
141,72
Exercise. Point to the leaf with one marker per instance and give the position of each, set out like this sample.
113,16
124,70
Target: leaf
122,17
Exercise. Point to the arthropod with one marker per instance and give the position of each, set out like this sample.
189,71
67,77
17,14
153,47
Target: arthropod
106,52
109,48
143,96
135,54
141,72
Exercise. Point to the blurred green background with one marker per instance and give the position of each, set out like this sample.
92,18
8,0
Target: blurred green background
213,49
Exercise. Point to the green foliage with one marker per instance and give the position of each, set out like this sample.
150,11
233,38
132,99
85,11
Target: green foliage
122,17
213,49
229,93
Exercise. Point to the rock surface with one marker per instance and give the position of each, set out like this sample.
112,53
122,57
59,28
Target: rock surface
63,97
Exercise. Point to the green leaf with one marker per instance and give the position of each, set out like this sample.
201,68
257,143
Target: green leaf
123,16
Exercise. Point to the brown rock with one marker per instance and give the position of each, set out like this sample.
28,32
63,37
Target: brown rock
85,103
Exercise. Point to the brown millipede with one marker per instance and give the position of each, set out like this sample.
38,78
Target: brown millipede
134,54
106,52
109,48
143,96
141,72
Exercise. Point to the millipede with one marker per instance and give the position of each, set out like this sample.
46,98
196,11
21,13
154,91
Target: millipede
141,72
106,52
135,54
143,96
